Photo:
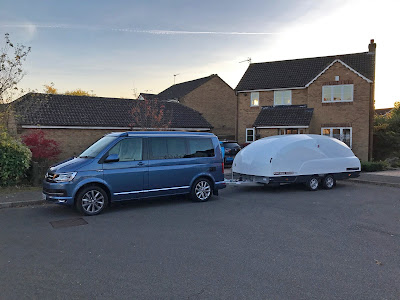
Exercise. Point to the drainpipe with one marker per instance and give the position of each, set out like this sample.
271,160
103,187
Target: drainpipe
372,51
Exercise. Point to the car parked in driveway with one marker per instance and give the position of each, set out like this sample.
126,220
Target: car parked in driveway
133,165
231,148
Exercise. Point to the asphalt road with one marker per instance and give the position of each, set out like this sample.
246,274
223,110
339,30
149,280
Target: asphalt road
248,243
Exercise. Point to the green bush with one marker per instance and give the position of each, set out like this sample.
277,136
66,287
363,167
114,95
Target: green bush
373,166
14,159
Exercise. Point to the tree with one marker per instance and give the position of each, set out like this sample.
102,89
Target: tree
11,73
42,148
12,57
150,115
387,134
50,89
79,92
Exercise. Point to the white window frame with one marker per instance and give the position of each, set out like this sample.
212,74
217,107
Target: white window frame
257,97
341,133
280,91
254,135
333,101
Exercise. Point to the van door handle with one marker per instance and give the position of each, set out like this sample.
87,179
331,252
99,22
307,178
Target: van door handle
140,163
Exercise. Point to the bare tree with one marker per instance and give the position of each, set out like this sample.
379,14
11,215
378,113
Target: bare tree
11,60
150,114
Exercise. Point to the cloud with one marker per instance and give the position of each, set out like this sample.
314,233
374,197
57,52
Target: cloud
33,28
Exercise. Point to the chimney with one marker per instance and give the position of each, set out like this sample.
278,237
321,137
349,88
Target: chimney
372,46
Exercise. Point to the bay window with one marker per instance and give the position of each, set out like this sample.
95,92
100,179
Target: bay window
343,134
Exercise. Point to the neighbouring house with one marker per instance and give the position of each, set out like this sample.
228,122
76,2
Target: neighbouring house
383,111
212,97
331,95
147,96
76,122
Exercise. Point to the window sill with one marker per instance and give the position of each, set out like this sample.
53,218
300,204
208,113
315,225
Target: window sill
337,103
341,101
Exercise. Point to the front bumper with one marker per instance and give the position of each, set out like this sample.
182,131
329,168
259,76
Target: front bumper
60,193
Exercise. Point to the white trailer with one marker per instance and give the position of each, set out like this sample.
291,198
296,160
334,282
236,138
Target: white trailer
299,158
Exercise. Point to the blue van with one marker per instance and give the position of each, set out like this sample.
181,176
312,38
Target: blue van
134,165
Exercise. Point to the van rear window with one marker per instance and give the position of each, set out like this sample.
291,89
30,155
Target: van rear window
167,148
172,148
200,147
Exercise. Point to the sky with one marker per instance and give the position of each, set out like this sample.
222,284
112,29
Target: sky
119,48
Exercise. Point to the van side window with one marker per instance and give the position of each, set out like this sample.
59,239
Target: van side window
167,148
128,149
200,147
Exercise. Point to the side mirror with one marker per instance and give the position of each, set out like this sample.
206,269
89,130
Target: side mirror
111,158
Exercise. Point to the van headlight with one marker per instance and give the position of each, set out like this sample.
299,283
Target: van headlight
64,177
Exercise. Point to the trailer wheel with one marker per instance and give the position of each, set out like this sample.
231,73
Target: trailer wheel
328,182
312,183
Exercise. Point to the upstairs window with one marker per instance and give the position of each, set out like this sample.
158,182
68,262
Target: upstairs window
337,93
283,97
255,99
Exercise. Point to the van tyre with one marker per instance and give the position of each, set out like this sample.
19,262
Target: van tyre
91,200
201,190
312,183
328,182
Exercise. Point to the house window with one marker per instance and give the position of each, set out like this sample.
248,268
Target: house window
255,99
337,93
250,135
283,97
284,131
341,133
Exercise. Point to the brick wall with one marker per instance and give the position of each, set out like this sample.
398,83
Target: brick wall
73,141
347,114
216,101
353,114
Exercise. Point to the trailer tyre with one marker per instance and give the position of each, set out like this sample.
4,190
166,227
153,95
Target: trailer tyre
312,183
328,182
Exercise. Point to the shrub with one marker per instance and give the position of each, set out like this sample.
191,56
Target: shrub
14,159
42,149
373,166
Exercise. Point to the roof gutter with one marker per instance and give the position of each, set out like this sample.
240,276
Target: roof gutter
266,90
109,128
273,127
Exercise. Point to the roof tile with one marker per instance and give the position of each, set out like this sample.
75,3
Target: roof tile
299,72
284,115
69,110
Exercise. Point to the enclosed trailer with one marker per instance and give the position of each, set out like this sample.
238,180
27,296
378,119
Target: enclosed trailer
298,158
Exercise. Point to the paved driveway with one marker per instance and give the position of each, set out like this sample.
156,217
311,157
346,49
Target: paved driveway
248,243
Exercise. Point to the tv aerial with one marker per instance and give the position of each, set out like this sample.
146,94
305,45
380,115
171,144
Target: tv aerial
175,77
248,60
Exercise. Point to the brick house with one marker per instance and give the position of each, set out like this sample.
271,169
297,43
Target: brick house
331,95
212,97
76,122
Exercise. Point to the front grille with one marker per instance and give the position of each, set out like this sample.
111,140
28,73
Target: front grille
53,192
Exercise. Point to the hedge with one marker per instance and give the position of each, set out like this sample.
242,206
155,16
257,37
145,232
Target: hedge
14,159
373,166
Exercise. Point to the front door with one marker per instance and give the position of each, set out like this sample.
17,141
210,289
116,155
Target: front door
126,177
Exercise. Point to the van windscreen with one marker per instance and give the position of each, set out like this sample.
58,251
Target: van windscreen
97,147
